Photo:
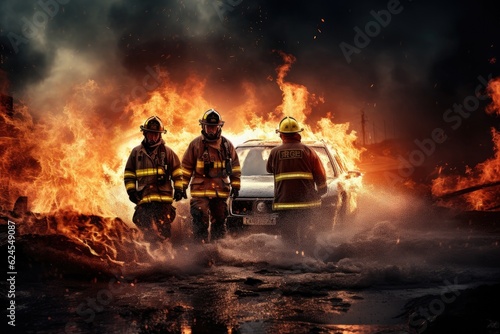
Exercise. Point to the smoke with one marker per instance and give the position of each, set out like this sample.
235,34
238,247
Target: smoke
406,72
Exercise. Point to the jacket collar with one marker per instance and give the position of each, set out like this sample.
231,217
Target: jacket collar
152,148
295,138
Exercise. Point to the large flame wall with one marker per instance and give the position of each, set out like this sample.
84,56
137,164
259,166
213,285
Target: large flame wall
73,159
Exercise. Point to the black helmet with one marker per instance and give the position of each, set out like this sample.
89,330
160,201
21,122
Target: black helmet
211,117
153,124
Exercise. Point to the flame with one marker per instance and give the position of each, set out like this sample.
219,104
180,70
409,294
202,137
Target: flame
105,238
479,188
72,160
296,98
494,92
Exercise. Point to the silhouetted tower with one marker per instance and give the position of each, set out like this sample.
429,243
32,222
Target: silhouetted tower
363,122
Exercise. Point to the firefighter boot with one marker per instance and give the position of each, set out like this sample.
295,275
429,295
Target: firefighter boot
200,226
217,230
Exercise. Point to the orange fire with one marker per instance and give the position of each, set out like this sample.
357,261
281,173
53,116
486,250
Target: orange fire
479,188
494,92
72,160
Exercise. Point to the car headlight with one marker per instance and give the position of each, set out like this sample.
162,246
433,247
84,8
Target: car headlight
261,207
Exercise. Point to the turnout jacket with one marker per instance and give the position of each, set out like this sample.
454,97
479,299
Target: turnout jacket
151,175
211,168
299,176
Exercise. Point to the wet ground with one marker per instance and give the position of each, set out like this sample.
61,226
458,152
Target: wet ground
403,267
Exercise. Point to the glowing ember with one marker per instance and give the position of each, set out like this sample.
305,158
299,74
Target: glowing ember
494,92
94,236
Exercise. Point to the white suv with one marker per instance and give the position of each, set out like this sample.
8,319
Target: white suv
253,206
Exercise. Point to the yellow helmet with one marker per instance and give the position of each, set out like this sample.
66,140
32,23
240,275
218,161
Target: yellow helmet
289,125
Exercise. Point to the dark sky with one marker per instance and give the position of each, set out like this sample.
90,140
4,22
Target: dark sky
412,61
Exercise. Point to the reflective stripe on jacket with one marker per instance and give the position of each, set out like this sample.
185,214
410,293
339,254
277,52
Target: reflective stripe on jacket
299,176
152,175
201,157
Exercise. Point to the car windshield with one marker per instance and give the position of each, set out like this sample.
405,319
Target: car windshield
253,160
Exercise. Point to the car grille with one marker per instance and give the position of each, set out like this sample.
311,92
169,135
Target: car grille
242,207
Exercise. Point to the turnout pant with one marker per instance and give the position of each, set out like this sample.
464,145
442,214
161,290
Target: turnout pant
297,227
154,220
208,213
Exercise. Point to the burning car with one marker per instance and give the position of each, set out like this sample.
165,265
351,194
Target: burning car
253,206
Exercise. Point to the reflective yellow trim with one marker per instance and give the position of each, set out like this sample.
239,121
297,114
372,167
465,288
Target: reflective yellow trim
209,193
129,175
293,176
186,173
149,172
155,198
203,193
178,184
291,206
216,164
177,172
129,185
235,184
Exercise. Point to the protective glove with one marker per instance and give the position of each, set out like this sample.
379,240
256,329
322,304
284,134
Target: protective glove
322,191
179,194
134,197
234,193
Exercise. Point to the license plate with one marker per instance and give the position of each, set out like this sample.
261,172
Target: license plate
266,220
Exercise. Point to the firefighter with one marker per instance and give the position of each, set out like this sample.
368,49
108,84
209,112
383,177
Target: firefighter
299,182
153,179
212,169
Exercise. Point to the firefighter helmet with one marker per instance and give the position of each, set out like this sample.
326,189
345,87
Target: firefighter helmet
211,117
153,124
289,125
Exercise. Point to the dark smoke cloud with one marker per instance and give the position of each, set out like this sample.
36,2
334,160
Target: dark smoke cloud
427,57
